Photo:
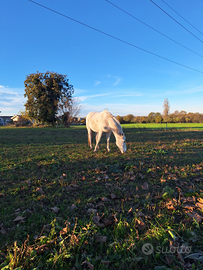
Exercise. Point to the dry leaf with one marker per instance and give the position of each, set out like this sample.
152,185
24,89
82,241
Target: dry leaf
40,190
196,216
92,211
130,212
55,209
19,219
199,205
104,199
188,207
73,207
90,266
170,205
41,249
140,224
3,231
188,199
132,178
99,238
145,186
114,196
103,222
200,200
64,231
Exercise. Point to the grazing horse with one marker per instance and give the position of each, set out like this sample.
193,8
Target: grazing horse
100,122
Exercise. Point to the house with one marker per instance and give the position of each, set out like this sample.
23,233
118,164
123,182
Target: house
6,119
1,121
18,120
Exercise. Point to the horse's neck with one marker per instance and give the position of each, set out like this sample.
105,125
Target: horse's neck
115,126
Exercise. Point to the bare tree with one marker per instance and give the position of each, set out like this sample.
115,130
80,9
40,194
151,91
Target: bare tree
69,109
166,107
74,108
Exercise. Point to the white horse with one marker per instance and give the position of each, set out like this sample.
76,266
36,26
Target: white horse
100,122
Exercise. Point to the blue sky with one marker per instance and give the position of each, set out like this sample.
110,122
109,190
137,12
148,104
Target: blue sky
106,73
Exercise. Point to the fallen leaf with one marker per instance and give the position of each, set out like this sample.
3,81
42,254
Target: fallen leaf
64,231
194,215
188,199
55,209
40,190
188,207
170,205
92,211
140,214
145,186
103,222
140,224
114,196
99,238
90,266
199,205
130,212
41,249
19,219
73,207
200,200
3,231
104,199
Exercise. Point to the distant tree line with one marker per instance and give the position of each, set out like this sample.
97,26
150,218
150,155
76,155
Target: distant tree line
176,117
166,117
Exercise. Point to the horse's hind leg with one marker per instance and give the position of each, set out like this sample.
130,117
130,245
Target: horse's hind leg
98,138
108,134
89,137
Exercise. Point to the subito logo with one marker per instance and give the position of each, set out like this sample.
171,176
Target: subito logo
147,249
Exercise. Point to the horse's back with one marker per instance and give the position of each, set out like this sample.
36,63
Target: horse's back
97,121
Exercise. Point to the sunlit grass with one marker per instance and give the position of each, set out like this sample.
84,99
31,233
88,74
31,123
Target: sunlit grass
64,206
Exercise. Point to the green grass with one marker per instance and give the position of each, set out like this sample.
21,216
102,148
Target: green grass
65,207
198,126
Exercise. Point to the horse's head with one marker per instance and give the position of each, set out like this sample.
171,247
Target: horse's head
120,142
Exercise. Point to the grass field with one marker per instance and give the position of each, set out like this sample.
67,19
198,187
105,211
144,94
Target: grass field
65,207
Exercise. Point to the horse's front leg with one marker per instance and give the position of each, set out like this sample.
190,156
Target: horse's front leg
98,138
90,138
108,134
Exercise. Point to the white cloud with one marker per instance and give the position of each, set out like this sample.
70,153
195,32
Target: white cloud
97,83
11,100
117,79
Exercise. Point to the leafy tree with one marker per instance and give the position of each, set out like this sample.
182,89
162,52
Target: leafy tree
158,118
44,92
120,119
128,118
151,117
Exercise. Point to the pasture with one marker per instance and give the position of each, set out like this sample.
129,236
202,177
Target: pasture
62,206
